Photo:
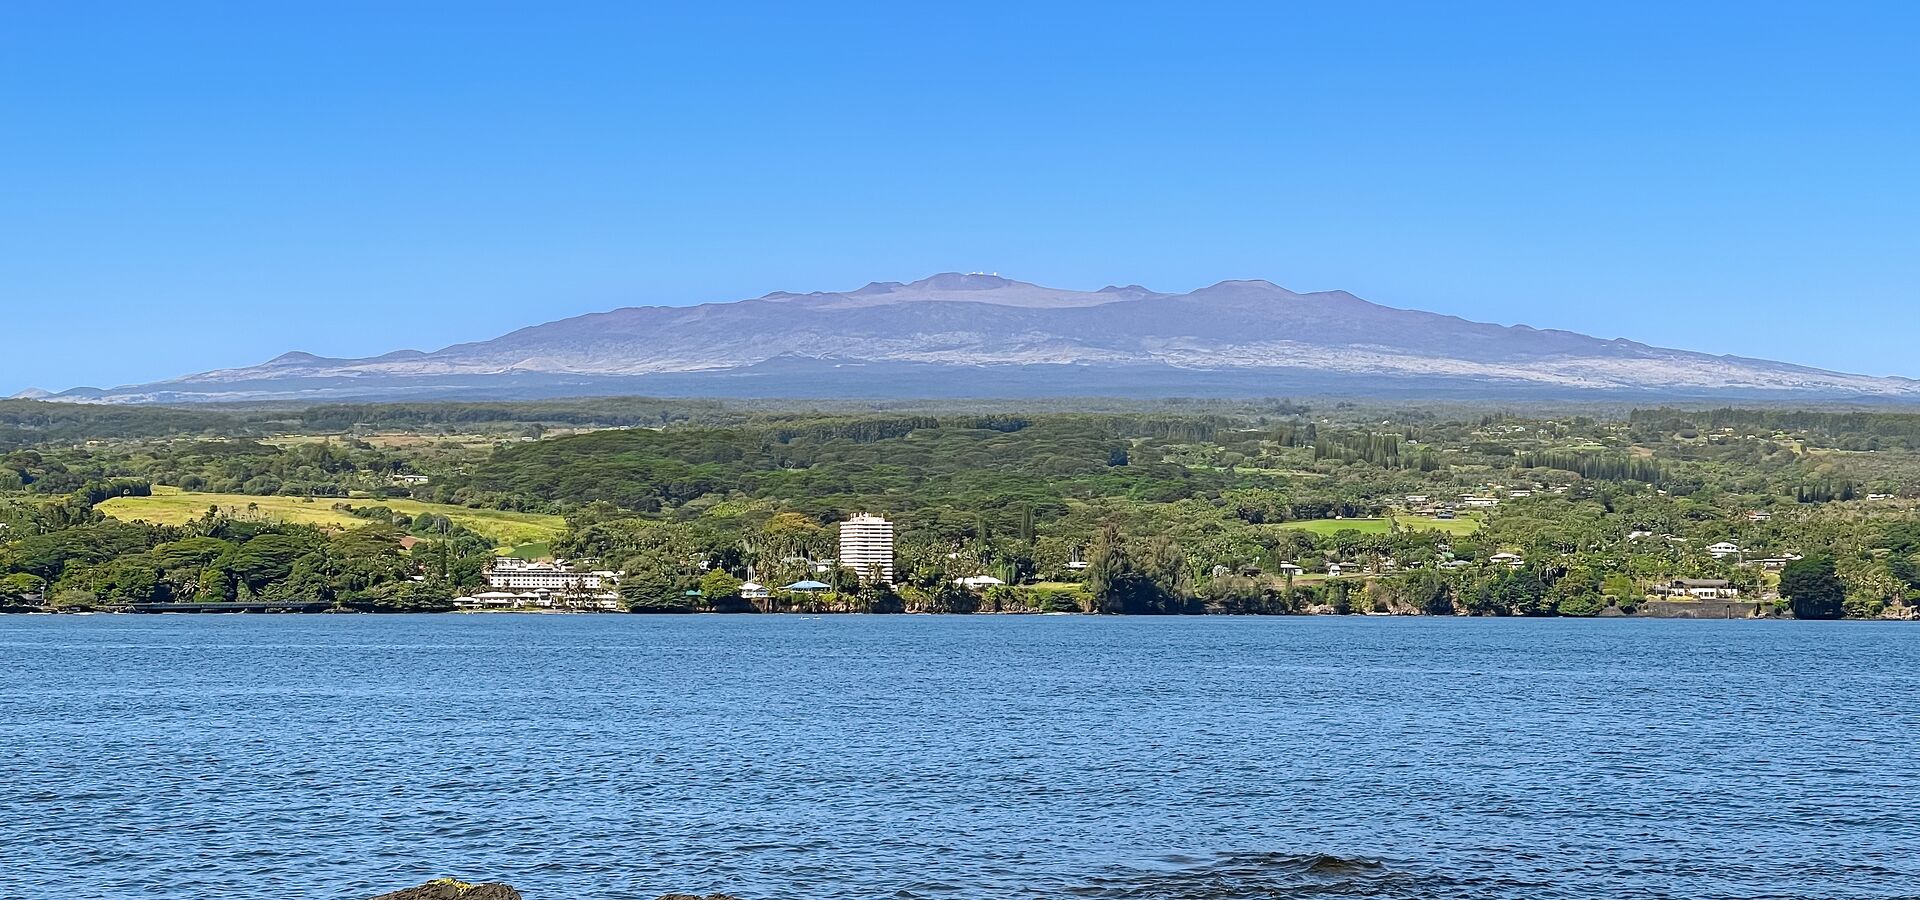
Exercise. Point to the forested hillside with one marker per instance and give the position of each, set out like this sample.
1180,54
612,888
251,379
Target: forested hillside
1224,509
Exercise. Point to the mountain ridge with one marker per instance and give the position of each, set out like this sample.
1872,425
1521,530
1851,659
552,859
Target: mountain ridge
1251,337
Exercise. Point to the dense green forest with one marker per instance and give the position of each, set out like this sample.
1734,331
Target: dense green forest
1265,507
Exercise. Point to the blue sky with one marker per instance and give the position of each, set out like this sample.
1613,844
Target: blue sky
187,186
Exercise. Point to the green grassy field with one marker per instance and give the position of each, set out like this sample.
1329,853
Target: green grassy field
535,550
1328,527
172,506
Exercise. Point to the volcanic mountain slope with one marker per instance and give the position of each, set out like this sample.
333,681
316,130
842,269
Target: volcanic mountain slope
983,335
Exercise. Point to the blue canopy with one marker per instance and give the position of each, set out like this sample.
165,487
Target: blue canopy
807,586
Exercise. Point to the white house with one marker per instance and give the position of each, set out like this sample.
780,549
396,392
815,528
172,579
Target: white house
1510,560
1701,589
978,582
1290,570
752,591
1479,502
1723,549
1334,569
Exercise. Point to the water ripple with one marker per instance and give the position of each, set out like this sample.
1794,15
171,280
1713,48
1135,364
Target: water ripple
614,758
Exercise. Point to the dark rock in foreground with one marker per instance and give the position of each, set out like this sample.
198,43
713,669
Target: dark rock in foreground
449,889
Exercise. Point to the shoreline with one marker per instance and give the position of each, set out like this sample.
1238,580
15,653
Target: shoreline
1685,615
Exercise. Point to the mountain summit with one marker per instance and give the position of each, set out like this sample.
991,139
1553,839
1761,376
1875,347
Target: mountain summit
982,335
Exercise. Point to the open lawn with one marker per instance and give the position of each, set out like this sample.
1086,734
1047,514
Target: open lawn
172,506
1328,527
1320,578
535,550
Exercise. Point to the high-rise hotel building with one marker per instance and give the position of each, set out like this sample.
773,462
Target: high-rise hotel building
866,546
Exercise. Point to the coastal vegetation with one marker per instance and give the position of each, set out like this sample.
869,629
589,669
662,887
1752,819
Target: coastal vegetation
1204,507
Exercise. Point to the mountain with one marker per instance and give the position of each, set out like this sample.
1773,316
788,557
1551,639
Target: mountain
979,335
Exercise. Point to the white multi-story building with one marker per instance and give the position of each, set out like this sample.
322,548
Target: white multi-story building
512,574
866,546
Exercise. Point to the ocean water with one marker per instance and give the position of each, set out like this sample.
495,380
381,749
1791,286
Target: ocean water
958,757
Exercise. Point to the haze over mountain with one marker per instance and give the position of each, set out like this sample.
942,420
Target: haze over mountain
983,335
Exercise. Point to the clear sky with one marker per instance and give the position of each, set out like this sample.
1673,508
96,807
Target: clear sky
186,186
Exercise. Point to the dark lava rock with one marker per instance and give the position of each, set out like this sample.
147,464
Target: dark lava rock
449,889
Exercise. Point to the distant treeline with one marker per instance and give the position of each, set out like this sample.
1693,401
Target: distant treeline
24,422
1384,450
980,462
1845,430
1598,466
29,422
620,412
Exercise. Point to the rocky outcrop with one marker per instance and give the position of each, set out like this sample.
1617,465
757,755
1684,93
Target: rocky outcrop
449,889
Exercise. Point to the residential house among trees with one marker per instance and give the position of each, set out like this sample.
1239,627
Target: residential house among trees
1700,589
